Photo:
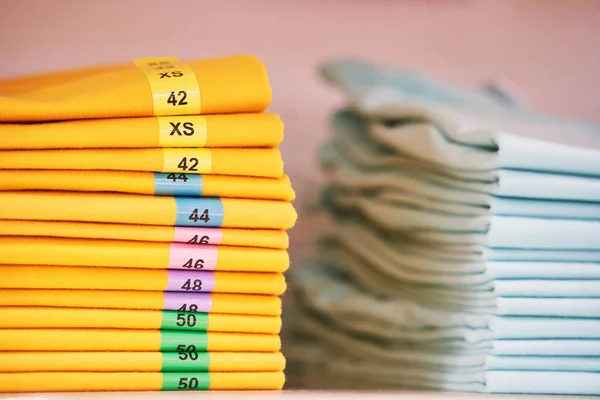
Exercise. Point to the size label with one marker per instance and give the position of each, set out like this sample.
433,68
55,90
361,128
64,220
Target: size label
189,161
184,320
177,184
188,131
174,86
193,302
185,256
191,235
186,381
190,281
172,340
186,359
207,212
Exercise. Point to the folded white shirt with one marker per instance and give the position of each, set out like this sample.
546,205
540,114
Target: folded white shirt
334,295
492,230
548,307
548,288
470,137
444,276
508,363
558,256
542,270
548,347
543,382
386,367
355,157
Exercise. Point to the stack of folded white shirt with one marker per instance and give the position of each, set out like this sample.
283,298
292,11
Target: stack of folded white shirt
465,249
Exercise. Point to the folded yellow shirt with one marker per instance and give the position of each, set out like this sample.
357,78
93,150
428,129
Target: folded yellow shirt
147,210
130,254
223,303
187,359
80,318
60,277
132,340
150,183
230,130
276,239
138,381
234,84
265,163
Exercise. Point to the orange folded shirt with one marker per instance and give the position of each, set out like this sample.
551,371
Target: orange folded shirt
230,130
266,163
147,210
60,277
132,340
130,254
234,84
78,318
138,381
269,238
149,183
141,361
222,303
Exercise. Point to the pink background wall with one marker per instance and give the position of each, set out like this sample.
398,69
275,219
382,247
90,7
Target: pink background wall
548,50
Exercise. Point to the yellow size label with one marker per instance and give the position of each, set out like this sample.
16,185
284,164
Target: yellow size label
191,161
175,89
188,131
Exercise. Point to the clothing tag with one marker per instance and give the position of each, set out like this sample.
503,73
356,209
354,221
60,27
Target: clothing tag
177,184
205,212
192,302
191,161
174,86
187,131
171,341
184,320
186,380
191,235
185,256
186,359
190,281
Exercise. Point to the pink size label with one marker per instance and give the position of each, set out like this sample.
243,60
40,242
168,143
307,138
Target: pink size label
191,235
193,257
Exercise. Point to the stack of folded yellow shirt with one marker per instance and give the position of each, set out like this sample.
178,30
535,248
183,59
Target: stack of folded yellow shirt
143,211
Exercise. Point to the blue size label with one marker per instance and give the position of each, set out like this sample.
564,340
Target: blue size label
199,212
177,184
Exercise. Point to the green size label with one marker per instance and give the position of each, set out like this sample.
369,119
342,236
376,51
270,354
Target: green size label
186,381
171,341
184,320
187,358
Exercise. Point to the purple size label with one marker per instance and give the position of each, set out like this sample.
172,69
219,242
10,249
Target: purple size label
190,281
192,235
188,256
193,302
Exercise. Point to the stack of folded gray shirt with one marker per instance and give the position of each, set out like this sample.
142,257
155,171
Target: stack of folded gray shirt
465,248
